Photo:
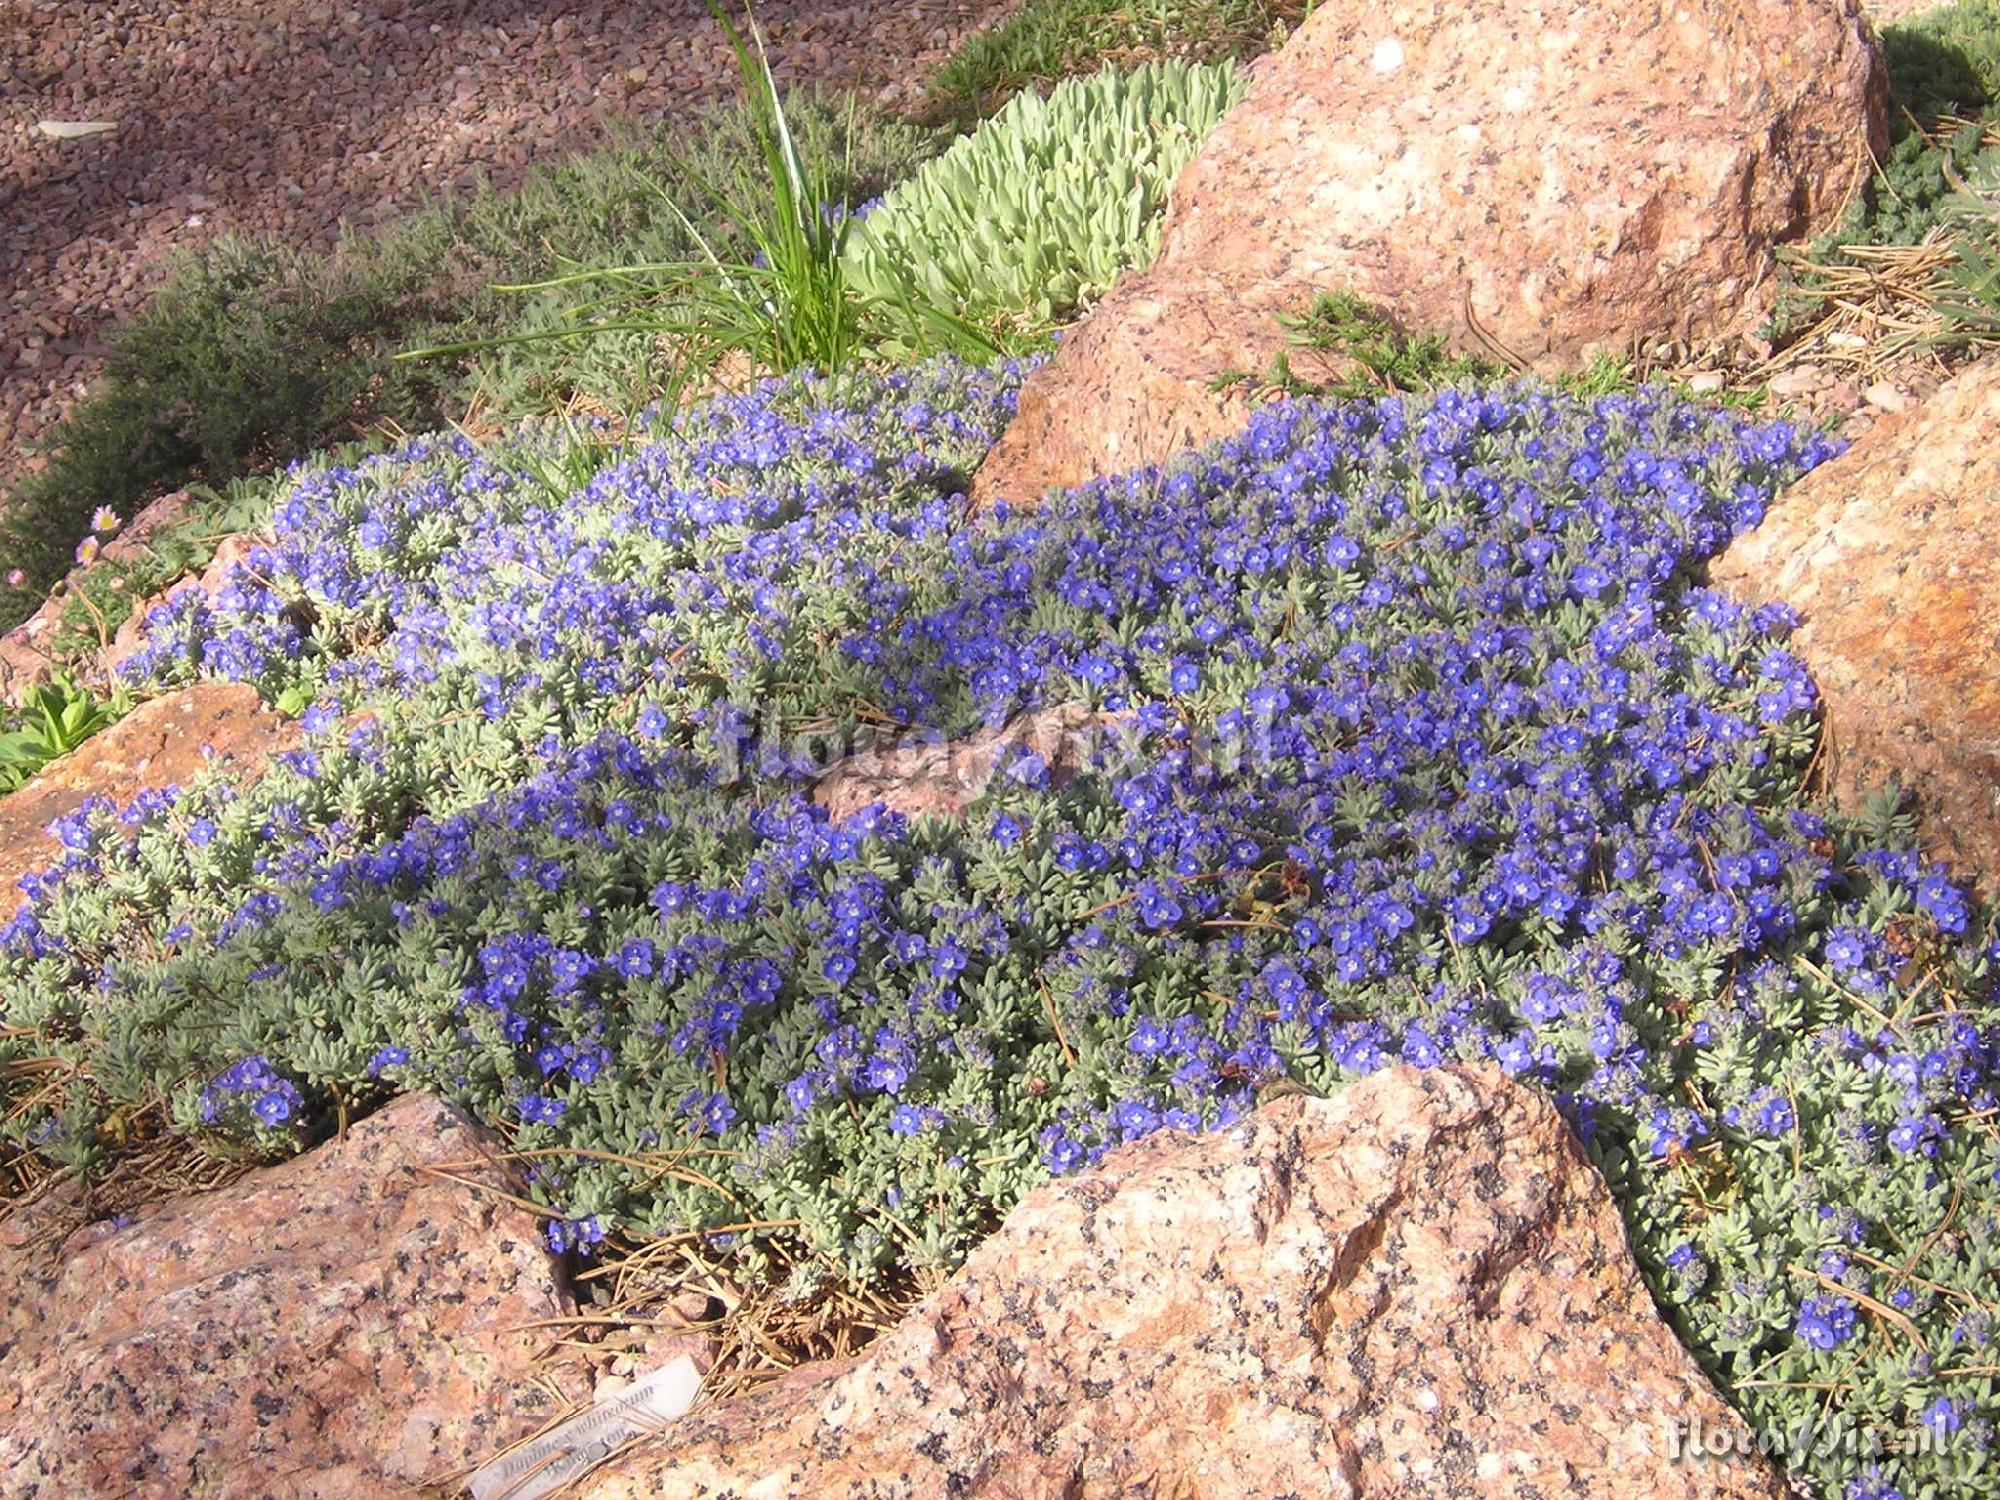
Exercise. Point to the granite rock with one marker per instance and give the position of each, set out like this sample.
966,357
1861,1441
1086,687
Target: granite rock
1552,179
161,743
345,1326
943,778
1421,1288
27,657
1886,552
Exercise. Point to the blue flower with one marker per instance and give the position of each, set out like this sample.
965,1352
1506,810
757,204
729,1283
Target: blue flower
538,1109
915,1119
582,1236
1158,905
1944,902
1774,1113
1150,1037
1916,1134
1870,1484
715,1113
1135,1117
1943,1416
1846,949
1064,1155
1826,1322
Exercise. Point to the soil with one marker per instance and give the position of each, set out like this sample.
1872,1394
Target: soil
286,117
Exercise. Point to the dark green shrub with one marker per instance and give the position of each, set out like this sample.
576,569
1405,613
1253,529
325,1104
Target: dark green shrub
250,355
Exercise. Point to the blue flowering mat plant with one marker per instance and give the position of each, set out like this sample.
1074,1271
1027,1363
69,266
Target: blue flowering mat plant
1434,747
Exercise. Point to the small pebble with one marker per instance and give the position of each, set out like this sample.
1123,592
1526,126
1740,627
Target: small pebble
1885,397
1800,380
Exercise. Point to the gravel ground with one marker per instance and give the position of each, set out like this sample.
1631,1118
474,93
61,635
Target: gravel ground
288,116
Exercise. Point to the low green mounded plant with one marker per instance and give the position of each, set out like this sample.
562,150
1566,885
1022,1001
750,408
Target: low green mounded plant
1943,62
1383,357
1025,220
1439,752
1973,216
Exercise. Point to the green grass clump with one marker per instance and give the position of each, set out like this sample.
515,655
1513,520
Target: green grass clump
1375,356
1036,212
256,353
1382,357
1049,40
984,249
768,285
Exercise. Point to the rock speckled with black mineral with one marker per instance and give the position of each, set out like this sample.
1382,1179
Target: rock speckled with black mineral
1420,1288
344,1326
1565,178
1888,555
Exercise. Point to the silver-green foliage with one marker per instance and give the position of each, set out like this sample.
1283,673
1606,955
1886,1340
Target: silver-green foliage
1042,207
